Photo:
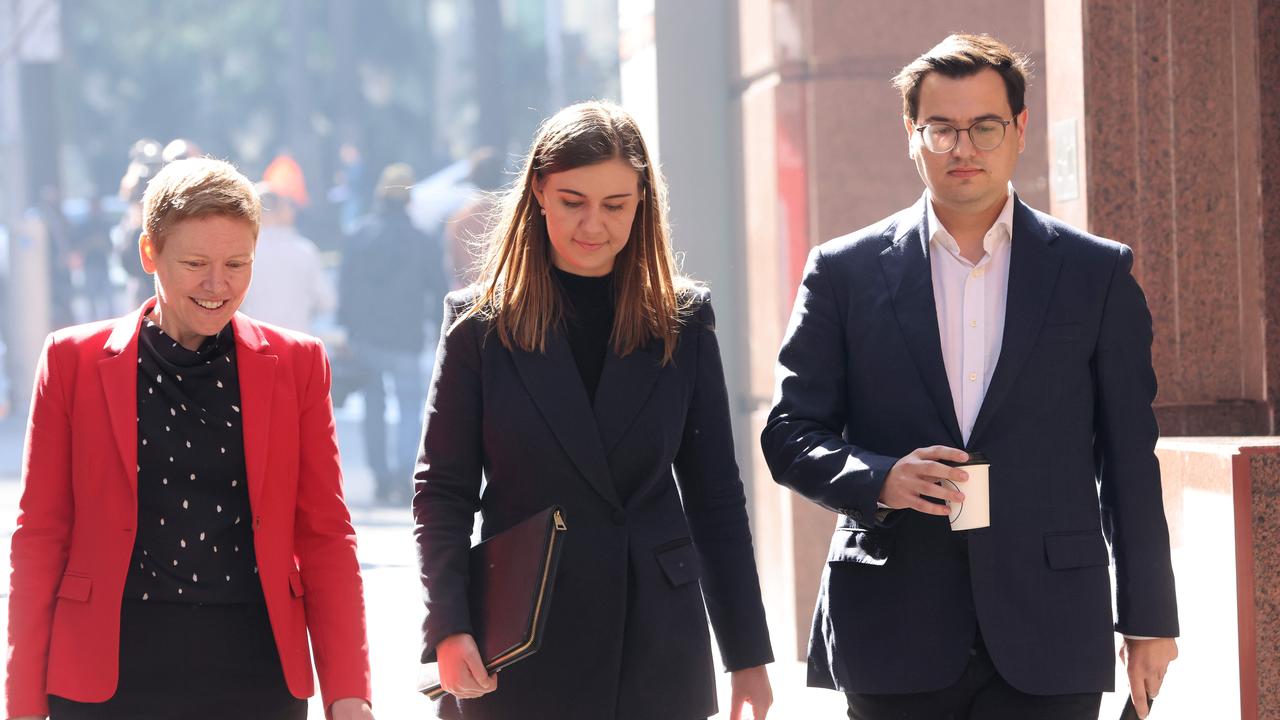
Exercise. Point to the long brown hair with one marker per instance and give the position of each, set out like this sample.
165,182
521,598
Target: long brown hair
516,291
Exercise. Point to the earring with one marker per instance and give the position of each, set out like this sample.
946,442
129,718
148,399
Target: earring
542,210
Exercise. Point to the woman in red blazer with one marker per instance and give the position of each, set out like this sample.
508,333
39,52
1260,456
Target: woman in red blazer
182,530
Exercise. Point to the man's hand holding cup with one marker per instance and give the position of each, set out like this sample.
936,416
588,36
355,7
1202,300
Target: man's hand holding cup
916,481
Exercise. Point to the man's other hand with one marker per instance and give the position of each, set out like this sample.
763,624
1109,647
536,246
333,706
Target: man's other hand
1146,662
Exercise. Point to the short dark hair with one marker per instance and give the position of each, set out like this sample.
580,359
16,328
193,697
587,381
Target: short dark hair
959,56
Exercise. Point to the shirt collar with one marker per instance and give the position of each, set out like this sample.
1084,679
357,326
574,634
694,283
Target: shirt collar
1003,227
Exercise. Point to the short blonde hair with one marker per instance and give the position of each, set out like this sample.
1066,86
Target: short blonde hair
197,187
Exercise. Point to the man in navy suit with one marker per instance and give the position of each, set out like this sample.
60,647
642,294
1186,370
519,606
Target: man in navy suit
970,323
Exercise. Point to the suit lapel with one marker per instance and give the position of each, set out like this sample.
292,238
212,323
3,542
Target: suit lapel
625,384
906,267
1033,271
119,374
257,371
552,380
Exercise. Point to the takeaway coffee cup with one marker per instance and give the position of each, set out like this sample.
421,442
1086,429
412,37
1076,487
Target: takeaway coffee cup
975,510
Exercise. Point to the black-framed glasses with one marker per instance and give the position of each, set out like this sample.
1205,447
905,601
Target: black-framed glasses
984,134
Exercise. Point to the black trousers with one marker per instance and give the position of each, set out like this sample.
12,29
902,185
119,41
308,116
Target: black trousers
192,662
979,694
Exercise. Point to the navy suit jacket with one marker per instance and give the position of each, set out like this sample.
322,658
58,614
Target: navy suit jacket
627,632
1066,424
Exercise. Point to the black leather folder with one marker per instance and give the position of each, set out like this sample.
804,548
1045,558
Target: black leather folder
1131,713
512,574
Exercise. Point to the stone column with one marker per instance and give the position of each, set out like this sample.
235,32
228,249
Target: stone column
1268,46
1156,103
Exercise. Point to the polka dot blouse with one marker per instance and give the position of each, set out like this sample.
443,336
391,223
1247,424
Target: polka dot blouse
195,536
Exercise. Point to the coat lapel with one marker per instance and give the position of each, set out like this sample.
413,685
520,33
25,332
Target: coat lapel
552,380
257,370
1033,271
625,384
119,374
906,267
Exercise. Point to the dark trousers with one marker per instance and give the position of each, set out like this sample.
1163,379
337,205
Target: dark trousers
979,694
193,662
392,478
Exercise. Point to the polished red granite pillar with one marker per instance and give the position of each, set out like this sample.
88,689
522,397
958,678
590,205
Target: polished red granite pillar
1168,95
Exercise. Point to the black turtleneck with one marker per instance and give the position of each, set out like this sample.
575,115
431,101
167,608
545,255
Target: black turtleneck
588,323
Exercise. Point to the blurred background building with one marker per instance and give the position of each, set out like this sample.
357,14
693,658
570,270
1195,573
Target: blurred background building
1154,122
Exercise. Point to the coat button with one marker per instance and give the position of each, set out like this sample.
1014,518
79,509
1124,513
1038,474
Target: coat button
619,517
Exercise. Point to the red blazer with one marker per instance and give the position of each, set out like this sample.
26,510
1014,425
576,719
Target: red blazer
79,508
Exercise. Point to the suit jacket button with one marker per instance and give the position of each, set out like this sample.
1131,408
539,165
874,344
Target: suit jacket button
619,517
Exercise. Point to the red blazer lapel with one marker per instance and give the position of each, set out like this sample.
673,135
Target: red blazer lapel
257,381
119,374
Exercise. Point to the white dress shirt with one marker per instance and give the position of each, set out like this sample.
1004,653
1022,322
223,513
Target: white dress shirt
970,301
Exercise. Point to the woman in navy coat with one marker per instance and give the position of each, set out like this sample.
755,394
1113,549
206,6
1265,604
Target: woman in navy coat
580,371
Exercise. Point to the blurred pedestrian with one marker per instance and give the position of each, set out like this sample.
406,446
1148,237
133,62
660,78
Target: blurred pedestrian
93,249
284,176
145,161
60,246
181,531
464,232
180,149
581,371
350,191
6,400
292,288
436,198
391,285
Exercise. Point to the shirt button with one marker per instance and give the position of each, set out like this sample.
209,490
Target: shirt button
973,323
973,377
977,272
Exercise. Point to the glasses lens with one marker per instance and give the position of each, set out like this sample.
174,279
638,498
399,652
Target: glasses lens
987,135
939,138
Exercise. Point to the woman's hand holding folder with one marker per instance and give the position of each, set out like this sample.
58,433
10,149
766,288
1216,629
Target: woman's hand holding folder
462,672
